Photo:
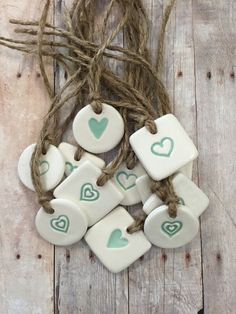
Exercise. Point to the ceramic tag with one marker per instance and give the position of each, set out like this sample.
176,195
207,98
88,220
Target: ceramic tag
81,188
125,180
67,225
143,187
68,151
166,232
98,133
188,193
51,166
163,153
110,242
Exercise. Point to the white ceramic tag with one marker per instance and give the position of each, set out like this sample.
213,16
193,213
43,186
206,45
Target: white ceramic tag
67,225
81,187
143,187
98,133
68,151
52,167
125,180
111,243
188,193
166,232
163,153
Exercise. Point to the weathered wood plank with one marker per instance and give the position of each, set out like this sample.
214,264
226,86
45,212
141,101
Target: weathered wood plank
82,284
214,37
170,281
26,272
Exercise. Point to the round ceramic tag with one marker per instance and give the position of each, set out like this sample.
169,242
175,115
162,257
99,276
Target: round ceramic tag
125,180
51,166
167,232
98,133
67,225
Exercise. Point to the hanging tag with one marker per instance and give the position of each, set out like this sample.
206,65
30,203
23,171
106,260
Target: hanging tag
189,194
143,187
125,180
163,153
166,232
51,167
81,187
68,151
67,225
111,243
98,133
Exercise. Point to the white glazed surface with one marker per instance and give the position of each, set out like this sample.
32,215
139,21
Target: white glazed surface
188,192
143,187
52,167
116,259
68,151
52,227
177,148
125,180
80,187
159,220
110,135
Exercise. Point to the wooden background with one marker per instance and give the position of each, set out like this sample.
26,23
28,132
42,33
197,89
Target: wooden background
35,277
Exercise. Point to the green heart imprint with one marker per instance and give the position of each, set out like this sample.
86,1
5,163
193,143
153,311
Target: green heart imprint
164,148
98,127
125,180
43,167
88,193
171,228
116,241
70,168
61,223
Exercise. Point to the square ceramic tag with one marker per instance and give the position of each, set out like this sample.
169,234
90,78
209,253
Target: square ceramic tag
111,243
68,151
81,188
125,180
163,153
188,193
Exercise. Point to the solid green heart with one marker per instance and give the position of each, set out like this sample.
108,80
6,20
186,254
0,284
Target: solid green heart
125,180
61,223
43,167
98,127
116,241
171,227
70,168
88,193
164,148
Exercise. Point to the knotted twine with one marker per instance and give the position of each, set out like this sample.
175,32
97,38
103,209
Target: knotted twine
138,94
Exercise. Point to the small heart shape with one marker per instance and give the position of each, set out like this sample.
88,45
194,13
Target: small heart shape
164,148
88,193
43,167
61,223
116,241
125,180
98,127
70,168
171,227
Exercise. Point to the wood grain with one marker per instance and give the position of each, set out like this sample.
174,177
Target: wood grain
199,72
26,272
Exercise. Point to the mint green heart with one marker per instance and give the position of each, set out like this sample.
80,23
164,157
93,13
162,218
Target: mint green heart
88,193
98,127
171,227
164,148
116,241
61,223
69,168
124,181
43,167
181,201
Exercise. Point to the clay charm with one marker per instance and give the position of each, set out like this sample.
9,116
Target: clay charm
98,133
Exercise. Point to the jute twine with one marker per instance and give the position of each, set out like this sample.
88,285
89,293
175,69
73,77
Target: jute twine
138,93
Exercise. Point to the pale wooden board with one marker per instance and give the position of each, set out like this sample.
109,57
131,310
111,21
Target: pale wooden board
200,38
26,261
215,50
